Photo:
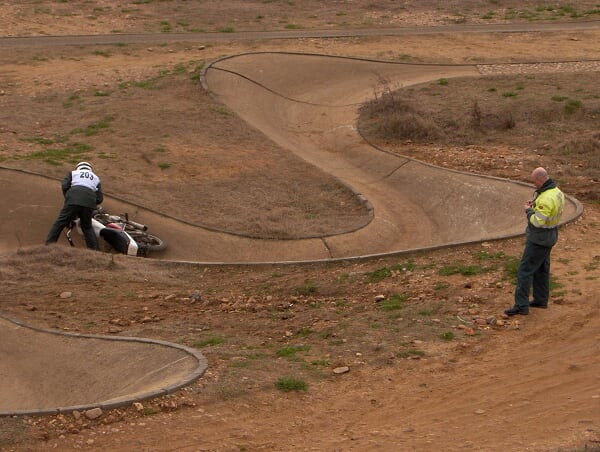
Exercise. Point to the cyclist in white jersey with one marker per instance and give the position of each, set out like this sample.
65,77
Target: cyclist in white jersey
83,192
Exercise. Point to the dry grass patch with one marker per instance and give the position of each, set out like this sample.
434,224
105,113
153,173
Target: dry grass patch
552,115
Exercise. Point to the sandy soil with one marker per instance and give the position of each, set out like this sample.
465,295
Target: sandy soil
525,384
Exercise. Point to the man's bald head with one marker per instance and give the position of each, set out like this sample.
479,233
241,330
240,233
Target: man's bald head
539,176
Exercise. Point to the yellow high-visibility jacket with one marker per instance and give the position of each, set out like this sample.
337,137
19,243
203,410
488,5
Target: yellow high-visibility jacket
545,214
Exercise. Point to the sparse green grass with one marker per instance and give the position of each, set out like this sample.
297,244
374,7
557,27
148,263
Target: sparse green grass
379,275
164,165
447,335
304,332
289,351
288,384
220,109
307,288
465,270
71,152
393,303
152,82
196,73
572,106
320,363
239,364
594,265
485,255
71,99
209,342
102,53
385,272
511,266
410,353
95,127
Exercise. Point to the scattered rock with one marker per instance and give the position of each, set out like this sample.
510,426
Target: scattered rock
138,406
169,405
479,411
379,298
341,370
64,295
94,413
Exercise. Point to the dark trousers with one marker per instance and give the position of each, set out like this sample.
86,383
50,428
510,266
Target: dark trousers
534,269
68,214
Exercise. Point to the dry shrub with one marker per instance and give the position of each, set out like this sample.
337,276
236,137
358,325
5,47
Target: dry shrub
501,120
585,148
408,126
391,117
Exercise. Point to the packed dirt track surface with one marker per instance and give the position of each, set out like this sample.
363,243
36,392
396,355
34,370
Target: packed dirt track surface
80,372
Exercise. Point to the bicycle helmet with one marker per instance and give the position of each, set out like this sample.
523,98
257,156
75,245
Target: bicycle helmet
84,165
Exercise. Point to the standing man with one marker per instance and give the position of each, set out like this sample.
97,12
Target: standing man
83,192
543,216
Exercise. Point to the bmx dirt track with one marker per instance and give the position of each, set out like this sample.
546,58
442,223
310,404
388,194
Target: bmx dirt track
315,119
307,104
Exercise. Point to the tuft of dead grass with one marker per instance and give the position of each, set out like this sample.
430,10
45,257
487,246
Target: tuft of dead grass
552,115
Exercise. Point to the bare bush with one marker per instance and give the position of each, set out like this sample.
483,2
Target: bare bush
585,148
500,120
391,116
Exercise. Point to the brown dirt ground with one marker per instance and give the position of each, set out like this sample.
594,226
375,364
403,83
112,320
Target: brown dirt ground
529,384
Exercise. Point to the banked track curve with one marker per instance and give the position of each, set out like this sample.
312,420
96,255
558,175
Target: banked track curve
307,104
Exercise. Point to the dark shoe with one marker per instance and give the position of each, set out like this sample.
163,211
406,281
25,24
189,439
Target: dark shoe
535,304
516,310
